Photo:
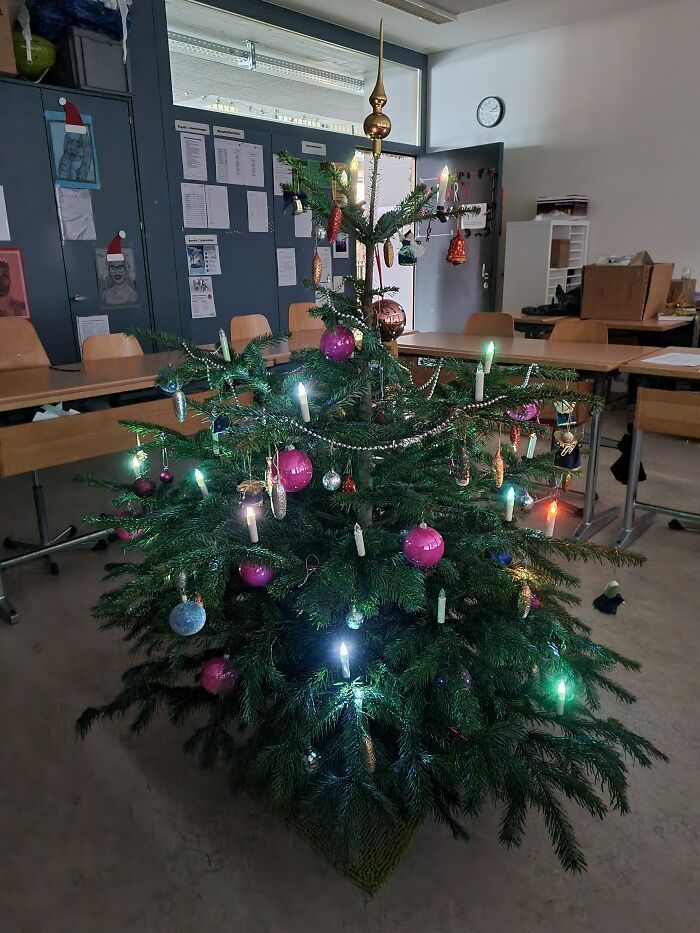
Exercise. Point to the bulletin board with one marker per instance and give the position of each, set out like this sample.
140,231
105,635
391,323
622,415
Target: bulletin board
234,223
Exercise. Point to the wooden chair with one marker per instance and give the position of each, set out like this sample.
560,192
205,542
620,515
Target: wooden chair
20,347
246,326
300,319
658,411
110,347
490,324
575,330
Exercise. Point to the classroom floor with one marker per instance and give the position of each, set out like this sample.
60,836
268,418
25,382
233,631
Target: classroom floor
121,833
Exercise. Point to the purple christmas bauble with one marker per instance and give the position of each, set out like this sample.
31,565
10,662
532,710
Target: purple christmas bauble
338,344
526,412
124,534
423,546
254,574
535,602
166,476
218,677
295,469
144,487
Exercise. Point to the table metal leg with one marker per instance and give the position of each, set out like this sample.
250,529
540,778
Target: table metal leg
696,329
590,525
631,530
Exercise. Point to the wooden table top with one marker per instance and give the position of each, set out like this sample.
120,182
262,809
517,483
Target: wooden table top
643,367
650,325
589,357
25,388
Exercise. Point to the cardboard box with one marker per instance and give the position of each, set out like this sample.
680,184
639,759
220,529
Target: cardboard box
7,52
559,258
682,292
626,293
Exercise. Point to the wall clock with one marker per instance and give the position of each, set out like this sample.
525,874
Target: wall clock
490,111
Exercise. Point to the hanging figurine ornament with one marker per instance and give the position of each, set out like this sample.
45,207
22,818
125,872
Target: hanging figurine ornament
179,404
457,250
377,125
388,253
335,218
515,437
498,467
567,450
410,250
316,269
465,468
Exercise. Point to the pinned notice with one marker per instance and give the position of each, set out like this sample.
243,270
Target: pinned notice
202,297
286,266
194,156
257,212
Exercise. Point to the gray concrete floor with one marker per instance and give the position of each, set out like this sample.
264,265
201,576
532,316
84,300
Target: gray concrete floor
123,833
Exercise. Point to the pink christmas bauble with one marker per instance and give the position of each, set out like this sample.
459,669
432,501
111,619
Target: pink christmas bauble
535,602
423,546
295,469
526,412
218,677
338,344
254,574
124,534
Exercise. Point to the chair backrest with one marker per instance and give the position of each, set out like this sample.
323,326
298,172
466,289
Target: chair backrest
246,326
578,331
110,347
664,411
300,319
490,324
20,347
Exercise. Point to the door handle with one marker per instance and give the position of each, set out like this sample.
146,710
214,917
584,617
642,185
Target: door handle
485,275
79,297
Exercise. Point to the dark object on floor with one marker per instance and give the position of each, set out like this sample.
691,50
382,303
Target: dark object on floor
564,303
621,467
610,599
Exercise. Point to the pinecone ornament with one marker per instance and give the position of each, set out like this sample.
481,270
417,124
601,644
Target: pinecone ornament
316,269
335,219
278,499
369,755
498,468
524,601
388,254
515,436
179,404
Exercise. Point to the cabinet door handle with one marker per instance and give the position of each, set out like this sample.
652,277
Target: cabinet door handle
484,275
80,297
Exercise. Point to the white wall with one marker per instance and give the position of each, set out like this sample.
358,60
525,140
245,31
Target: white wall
608,108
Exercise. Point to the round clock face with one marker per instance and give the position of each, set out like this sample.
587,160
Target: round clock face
490,111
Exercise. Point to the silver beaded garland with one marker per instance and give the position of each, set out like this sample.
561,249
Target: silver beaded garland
331,481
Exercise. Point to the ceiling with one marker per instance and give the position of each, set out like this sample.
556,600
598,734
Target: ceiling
478,20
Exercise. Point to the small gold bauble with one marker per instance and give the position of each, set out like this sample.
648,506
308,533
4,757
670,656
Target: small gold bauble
377,126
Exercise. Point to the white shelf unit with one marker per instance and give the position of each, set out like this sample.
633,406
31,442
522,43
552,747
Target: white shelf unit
528,277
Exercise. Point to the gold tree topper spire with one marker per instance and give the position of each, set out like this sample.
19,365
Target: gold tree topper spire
377,125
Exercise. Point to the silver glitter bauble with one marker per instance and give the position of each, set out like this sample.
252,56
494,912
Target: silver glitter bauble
331,481
527,502
354,618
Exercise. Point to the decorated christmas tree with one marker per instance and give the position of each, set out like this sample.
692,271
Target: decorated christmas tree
337,597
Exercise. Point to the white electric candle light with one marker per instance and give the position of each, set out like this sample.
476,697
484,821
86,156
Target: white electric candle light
442,186
510,503
551,519
479,386
442,605
561,697
354,172
345,660
531,444
490,350
359,540
225,352
303,403
252,524
198,475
